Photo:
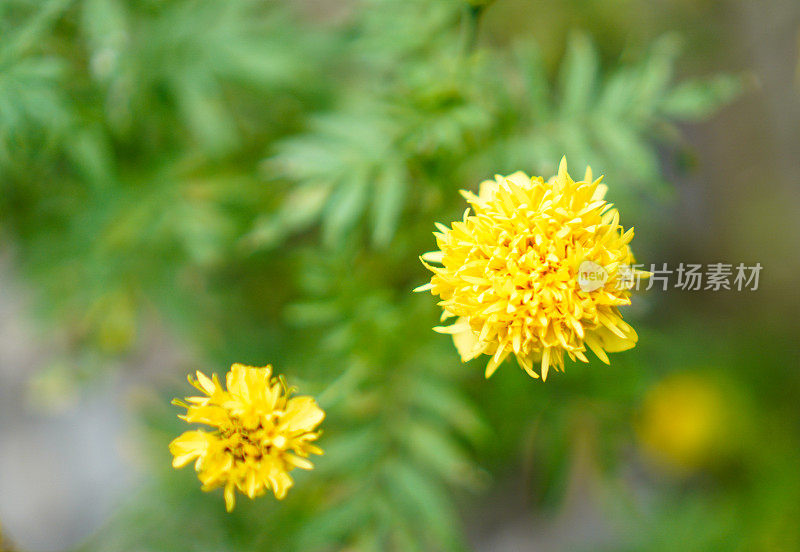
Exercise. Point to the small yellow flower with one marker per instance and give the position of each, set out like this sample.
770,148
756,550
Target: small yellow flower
261,433
684,422
510,272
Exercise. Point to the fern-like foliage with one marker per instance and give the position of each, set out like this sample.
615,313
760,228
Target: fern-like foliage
402,433
613,120
359,162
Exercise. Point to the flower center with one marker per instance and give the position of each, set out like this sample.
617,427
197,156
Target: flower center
253,443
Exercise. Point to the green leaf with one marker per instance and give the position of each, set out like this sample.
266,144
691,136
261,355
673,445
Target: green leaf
200,101
446,401
91,154
617,94
578,76
624,146
346,206
656,72
31,32
395,529
312,313
436,448
388,201
529,58
106,28
423,500
335,524
350,452
696,99
300,209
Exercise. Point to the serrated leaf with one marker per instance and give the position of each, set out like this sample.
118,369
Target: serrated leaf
623,145
437,449
351,451
387,203
105,25
395,529
696,99
29,33
578,76
335,524
200,102
536,80
656,72
445,400
617,94
346,206
300,209
308,157
422,499
91,154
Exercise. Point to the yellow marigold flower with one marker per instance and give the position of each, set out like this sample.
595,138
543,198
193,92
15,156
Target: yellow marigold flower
510,272
261,433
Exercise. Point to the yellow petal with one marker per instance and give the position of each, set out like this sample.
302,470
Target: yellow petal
206,384
497,359
466,343
612,342
230,498
299,462
563,175
188,446
545,363
302,413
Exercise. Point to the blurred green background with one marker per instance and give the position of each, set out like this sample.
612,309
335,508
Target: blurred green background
190,183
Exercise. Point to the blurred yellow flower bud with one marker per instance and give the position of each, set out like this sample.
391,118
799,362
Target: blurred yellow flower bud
684,422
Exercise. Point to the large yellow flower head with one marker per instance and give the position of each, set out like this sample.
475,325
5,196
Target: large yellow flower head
260,433
537,269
